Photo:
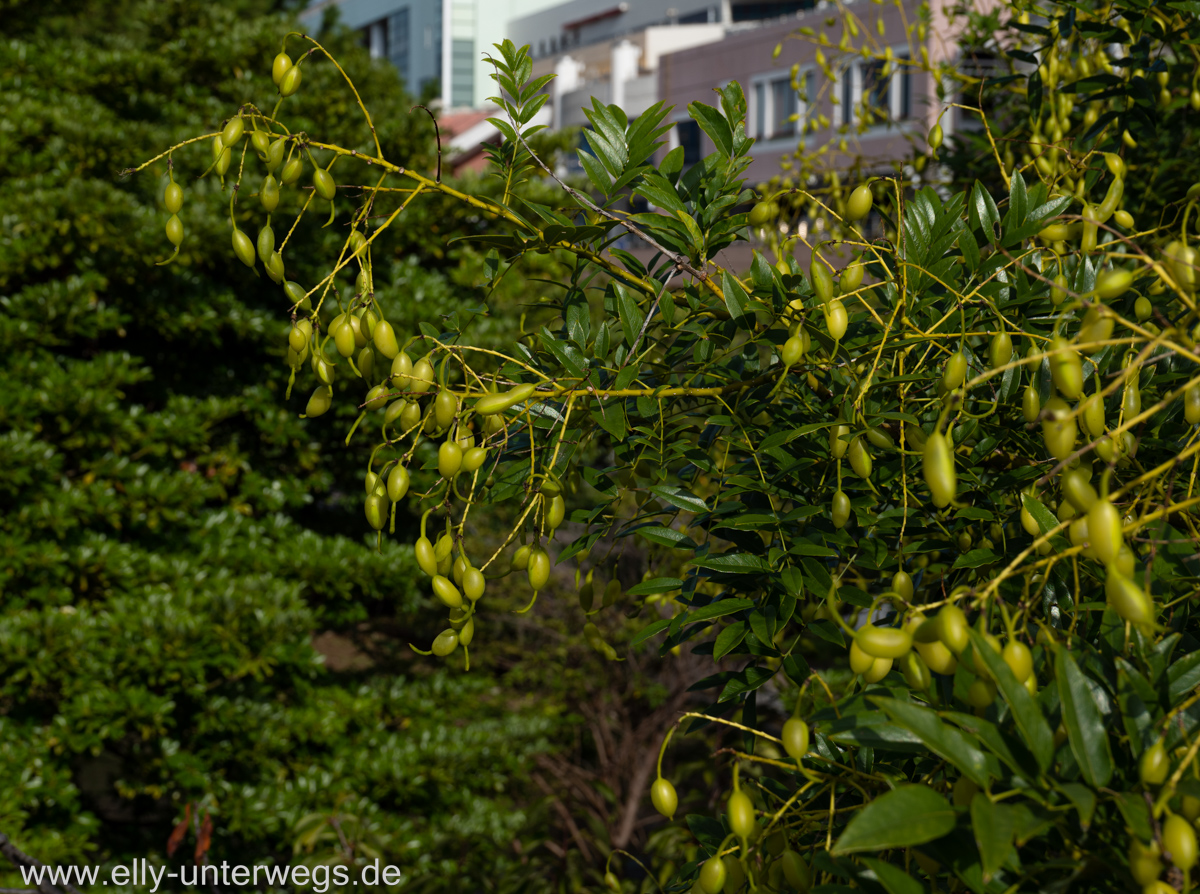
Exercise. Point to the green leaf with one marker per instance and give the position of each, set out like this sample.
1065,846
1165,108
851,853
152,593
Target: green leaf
894,879
729,639
733,563
1085,725
655,585
714,124
745,681
1026,712
678,497
1083,798
630,313
720,608
666,537
1043,516
993,828
736,299
976,558
906,816
945,741
649,630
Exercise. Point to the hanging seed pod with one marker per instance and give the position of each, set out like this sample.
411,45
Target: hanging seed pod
320,402
840,509
266,243
243,247
859,204
836,319
449,459
860,458
938,467
174,230
233,131
290,82
955,371
385,340
275,267
279,67
173,198
291,172
1058,428
822,279
275,153
262,142
268,193
1031,404
324,184
296,295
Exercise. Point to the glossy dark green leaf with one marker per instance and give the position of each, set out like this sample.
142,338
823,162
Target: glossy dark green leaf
894,879
992,826
947,742
908,815
1085,724
1026,712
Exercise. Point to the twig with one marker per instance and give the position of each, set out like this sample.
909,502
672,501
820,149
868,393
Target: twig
20,858
438,136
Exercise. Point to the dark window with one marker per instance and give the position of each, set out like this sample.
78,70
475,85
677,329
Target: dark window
399,44
783,104
462,73
689,139
375,39
766,9
694,18
760,110
848,94
876,91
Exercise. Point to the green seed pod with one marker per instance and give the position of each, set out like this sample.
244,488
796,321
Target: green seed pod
859,204
490,404
712,875
445,408
173,198
424,554
376,398
539,568
421,379
174,230
664,798
324,184
268,193
397,483
262,142
955,372
320,402
935,137
1113,284
556,510
473,458
291,172
343,337
299,335
1127,599
1066,368
290,82
410,417
1078,490
902,584
792,351
445,590
449,459
233,131
1000,350
296,295
385,340
224,160
840,509
376,511
915,672
822,279
266,243
860,458
1191,405
275,153
1058,428
837,441
836,319
473,583
938,467
445,643
275,267
279,67
741,815
1105,530
1031,404
243,247
796,871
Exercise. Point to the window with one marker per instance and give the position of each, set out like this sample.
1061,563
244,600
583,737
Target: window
375,39
886,91
398,44
780,108
783,107
689,139
848,94
462,73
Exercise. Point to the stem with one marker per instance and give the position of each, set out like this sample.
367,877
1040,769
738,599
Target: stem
663,749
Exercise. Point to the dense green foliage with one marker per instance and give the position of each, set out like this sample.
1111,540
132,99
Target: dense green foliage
870,456
172,535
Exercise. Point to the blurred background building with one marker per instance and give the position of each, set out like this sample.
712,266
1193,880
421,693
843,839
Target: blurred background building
637,52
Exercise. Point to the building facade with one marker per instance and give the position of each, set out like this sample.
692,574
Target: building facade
432,42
